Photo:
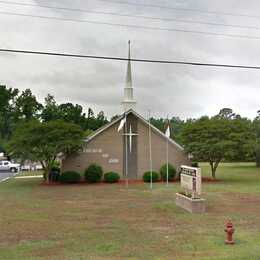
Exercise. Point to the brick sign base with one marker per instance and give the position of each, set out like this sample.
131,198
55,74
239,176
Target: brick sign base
189,204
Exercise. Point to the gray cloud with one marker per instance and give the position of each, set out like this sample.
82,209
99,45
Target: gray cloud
165,89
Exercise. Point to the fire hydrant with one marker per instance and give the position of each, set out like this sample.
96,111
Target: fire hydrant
229,230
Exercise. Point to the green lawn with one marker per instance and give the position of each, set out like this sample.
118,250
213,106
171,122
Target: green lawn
109,222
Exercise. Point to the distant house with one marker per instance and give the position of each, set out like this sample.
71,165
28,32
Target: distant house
2,157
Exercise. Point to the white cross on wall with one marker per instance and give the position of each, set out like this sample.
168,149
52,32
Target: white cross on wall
130,135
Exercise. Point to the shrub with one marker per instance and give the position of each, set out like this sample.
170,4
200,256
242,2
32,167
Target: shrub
147,176
171,172
111,177
93,173
69,177
195,164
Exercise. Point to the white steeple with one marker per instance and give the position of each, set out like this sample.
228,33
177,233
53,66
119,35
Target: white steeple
128,102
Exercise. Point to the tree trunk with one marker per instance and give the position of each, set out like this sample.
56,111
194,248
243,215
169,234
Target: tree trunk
48,168
214,167
213,173
45,170
257,155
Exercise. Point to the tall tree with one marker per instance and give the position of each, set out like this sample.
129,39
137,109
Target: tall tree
100,120
258,114
7,104
50,110
72,113
256,124
214,139
43,142
27,107
90,113
226,113
176,125
92,122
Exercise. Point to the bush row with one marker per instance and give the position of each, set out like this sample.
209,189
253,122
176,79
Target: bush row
92,174
163,174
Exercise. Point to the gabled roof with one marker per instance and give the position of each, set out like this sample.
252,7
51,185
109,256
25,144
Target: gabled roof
131,111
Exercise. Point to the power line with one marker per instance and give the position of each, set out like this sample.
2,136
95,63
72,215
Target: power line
133,26
180,9
126,59
131,16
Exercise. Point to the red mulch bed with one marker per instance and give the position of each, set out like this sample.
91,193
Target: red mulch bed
207,179
121,182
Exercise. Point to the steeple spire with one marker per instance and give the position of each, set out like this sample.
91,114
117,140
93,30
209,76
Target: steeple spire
129,70
128,102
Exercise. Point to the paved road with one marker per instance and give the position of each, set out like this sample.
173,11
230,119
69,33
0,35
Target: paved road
4,174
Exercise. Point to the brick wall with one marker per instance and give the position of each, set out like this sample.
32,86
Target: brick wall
111,144
176,156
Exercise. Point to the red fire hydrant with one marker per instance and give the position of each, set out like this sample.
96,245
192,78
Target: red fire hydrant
229,230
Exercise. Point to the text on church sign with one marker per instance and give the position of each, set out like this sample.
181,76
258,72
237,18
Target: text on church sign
191,180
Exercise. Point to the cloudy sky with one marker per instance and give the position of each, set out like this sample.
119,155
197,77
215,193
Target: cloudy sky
174,90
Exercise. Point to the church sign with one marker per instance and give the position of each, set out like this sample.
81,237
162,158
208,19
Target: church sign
190,200
191,180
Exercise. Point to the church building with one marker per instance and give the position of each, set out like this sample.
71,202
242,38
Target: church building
129,145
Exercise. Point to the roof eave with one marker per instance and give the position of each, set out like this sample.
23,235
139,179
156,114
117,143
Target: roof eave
100,130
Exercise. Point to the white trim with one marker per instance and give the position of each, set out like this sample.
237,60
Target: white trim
5,179
100,130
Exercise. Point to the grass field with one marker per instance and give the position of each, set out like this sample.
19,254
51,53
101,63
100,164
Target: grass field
110,222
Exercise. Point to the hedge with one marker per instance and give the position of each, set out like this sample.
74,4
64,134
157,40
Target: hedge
111,177
69,177
147,176
195,164
93,173
171,172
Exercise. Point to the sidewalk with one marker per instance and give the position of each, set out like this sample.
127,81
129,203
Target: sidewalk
29,177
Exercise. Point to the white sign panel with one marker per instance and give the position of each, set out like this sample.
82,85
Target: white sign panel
191,180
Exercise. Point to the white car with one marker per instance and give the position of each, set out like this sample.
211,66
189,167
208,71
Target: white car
25,168
38,167
9,166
